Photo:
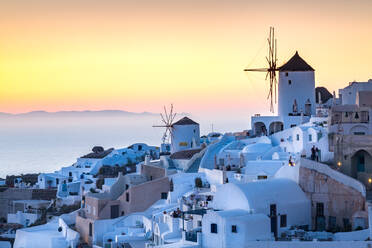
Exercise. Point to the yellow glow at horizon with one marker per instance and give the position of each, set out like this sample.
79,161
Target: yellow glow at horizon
140,59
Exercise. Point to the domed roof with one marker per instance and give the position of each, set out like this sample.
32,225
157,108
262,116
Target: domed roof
256,195
257,148
296,63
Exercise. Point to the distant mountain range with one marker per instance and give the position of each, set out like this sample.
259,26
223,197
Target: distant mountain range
85,113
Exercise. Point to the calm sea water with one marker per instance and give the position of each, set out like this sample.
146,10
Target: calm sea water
45,144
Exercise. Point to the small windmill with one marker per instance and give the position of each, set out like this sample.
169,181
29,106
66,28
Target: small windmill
271,70
167,118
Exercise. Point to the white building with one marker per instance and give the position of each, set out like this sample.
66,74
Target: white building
296,98
281,199
26,212
348,95
298,141
185,135
50,180
234,228
54,234
88,165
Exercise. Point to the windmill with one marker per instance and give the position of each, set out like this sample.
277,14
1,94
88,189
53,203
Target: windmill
167,118
271,70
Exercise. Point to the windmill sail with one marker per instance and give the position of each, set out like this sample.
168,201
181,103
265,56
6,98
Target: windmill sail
271,69
167,118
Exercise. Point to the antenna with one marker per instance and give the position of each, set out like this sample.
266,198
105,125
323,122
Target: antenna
167,118
271,59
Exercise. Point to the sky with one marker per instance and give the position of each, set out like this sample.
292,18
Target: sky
140,55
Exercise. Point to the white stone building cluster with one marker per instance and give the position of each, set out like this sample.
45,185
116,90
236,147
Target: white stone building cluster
273,188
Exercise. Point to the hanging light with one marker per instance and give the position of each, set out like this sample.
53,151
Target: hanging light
369,180
339,163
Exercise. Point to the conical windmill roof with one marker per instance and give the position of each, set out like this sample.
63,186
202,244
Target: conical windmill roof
296,63
185,121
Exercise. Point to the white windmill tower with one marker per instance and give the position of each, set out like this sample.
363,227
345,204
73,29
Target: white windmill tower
296,86
167,119
183,134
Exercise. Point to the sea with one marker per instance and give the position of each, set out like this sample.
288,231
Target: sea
42,142
45,144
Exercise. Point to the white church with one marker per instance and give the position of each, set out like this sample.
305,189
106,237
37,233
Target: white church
296,98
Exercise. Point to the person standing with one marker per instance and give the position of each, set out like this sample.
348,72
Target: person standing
313,153
317,154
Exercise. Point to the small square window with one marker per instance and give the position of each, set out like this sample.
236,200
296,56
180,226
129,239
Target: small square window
127,197
297,137
213,228
289,82
234,229
286,74
310,137
283,220
164,195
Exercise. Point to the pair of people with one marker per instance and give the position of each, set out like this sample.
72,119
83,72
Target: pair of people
315,153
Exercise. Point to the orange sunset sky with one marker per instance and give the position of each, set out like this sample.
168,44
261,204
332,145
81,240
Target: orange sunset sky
139,55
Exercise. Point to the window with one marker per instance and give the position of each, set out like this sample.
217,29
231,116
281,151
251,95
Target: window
332,223
283,220
139,148
310,137
297,137
127,196
262,177
70,174
199,223
273,210
361,163
90,229
57,181
126,186
286,74
164,195
319,209
359,133
234,229
213,228
293,125
347,225
356,115
289,82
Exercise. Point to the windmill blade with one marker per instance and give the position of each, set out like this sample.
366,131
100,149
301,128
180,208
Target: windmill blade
166,115
271,60
258,69
267,74
163,119
171,112
276,82
174,116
